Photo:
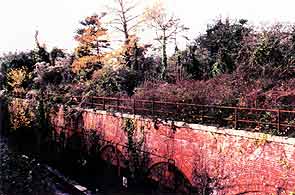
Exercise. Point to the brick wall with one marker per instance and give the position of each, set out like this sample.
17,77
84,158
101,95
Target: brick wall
238,162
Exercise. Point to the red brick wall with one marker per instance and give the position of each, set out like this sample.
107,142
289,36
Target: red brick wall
240,161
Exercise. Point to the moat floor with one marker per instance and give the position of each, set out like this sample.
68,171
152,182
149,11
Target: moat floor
21,175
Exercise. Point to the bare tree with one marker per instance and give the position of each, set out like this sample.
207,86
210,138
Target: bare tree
167,26
125,19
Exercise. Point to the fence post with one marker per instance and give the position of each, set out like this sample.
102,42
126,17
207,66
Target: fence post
176,113
153,107
202,113
92,102
118,104
134,106
236,118
279,120
103,103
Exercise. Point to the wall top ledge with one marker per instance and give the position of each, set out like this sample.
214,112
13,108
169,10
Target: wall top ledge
199,127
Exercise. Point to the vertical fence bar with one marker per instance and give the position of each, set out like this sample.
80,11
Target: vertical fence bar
153,108
134,106
92,101
177,111
202,113
103,103
118,104
279,120
236,118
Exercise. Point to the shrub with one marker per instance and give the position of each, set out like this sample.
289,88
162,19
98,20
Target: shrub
110,82
18,78
199,92
22,114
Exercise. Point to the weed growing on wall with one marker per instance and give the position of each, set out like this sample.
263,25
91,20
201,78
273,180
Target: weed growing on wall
262,140
138,159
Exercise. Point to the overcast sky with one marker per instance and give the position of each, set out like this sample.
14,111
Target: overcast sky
57,20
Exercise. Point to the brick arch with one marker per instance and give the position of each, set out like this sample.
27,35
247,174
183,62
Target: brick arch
114,156
169,178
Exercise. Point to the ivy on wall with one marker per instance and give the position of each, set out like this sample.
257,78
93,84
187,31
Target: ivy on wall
138,157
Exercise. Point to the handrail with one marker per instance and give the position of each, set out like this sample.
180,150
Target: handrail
236,117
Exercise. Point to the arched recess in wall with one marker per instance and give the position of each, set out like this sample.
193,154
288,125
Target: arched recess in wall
114,159
75,143
167,178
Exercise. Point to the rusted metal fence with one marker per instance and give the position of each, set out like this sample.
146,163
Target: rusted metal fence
274,121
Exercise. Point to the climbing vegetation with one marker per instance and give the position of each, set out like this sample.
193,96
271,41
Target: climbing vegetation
138,159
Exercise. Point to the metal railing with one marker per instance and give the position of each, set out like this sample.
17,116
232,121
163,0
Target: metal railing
274,121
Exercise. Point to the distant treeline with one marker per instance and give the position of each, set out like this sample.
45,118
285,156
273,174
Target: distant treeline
230,64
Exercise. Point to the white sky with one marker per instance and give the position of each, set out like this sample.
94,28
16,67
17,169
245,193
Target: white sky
57,20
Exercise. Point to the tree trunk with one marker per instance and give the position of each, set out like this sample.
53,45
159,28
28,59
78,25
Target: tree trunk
126,42
164,56
135,65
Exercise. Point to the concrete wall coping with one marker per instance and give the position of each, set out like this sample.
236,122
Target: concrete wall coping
199,127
